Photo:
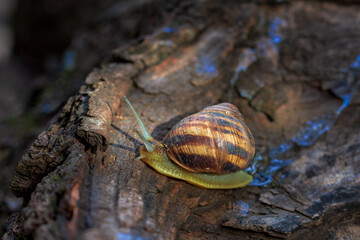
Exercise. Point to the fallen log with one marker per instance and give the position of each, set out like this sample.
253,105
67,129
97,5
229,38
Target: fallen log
293,71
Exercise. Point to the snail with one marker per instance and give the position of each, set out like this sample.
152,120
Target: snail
208,149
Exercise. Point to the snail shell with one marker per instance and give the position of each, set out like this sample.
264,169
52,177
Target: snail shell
214,140
208,149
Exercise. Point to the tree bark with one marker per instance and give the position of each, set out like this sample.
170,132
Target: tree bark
293,71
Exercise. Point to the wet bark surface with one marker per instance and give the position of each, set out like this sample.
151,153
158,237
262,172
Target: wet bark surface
292,69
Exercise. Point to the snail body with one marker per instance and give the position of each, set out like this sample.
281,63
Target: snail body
207,149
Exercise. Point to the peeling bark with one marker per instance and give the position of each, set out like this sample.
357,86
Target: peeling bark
292,70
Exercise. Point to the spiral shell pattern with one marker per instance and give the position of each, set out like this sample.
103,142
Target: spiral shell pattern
214,140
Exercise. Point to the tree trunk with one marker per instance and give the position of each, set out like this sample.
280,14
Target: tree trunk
293,71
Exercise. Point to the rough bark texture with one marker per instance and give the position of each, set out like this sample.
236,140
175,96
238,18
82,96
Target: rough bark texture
293,71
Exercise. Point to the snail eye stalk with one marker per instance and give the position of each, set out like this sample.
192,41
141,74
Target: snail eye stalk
147,144
144,134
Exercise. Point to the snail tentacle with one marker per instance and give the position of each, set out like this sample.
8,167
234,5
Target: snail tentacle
139,157
145,133
147,144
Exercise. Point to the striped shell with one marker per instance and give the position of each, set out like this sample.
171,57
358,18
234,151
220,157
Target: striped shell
214,140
